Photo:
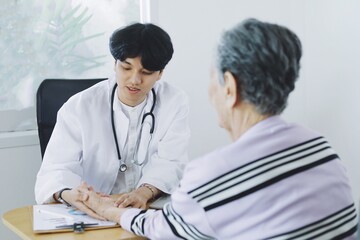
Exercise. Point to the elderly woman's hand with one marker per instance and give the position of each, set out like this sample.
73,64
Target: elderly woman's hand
75,198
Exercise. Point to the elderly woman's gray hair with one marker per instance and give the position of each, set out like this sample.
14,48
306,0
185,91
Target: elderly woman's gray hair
264,58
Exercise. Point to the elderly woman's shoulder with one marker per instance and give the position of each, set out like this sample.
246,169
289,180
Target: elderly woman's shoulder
207,164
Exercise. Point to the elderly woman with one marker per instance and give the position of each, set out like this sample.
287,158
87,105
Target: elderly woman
275,181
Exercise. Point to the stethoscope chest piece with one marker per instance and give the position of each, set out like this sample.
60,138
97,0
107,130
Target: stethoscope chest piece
123,167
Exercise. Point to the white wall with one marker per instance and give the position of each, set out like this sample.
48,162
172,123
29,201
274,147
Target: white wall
19,162
327,93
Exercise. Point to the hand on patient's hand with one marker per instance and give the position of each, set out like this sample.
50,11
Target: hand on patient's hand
102,204
137,199
75,197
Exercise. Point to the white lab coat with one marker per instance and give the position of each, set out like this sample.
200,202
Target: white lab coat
82,146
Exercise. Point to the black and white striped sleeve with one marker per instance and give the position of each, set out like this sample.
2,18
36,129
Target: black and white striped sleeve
182,218
163,224
181,228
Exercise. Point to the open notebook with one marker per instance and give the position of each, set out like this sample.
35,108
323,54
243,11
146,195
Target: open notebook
53,218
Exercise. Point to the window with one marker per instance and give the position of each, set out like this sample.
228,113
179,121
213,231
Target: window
53,39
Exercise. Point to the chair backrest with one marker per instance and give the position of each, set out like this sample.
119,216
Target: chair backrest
50,96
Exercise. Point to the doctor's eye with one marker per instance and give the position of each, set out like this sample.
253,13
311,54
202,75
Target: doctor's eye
147,72
125,68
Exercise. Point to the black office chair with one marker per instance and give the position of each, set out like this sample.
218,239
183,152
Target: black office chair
50,96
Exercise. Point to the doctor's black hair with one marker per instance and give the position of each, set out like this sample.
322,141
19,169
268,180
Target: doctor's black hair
147,41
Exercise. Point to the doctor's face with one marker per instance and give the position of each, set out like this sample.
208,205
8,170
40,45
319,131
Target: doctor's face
134,81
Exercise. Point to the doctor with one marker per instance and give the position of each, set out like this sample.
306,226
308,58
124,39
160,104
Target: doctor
125,135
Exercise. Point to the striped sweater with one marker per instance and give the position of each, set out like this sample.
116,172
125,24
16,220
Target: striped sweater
277,181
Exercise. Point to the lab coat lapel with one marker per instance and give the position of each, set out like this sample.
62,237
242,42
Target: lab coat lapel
149,103
145,136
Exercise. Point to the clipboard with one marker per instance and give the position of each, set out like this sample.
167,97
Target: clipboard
49,218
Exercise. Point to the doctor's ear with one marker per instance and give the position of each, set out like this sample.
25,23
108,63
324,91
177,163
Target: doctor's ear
231,91
160,74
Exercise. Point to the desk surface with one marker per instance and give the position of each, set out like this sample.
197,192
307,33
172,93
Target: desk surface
19,220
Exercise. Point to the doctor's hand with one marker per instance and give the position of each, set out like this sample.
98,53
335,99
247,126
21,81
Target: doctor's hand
137,198
75,198
102,205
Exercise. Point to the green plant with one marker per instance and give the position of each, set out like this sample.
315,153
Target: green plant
41,39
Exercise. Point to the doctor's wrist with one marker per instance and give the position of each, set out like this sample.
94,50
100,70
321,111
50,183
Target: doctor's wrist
59,196
151,189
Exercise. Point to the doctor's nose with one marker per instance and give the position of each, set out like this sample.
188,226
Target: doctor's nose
135,78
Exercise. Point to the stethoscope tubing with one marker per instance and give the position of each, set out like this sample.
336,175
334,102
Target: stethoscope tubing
113,122
123,166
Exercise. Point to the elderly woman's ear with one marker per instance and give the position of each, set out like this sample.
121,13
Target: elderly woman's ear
230,87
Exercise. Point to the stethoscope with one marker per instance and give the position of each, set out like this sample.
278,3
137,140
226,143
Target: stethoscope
123,166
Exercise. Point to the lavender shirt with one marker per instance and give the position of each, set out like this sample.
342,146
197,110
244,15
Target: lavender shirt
277,181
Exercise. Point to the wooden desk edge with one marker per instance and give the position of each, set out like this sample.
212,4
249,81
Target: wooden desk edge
11,227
